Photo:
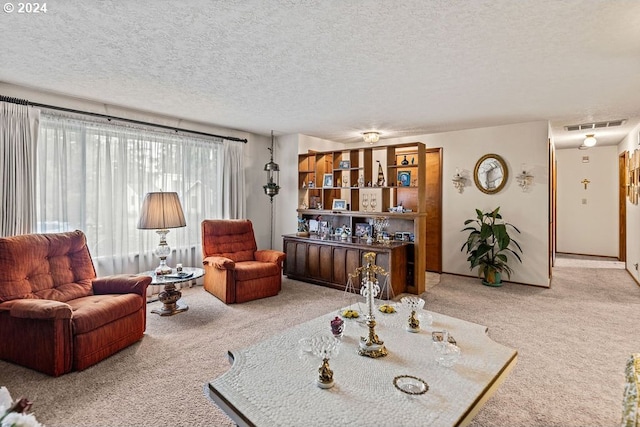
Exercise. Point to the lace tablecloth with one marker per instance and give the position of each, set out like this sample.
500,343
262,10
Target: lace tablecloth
274,382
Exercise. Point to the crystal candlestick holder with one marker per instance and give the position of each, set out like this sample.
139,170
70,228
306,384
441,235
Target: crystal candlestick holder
413,304
325,347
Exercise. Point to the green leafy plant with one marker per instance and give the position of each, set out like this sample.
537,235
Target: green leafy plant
488,243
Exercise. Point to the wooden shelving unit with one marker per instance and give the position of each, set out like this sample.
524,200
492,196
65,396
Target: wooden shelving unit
404,170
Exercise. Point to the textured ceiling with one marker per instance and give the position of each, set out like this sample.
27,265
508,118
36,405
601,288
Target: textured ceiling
334,68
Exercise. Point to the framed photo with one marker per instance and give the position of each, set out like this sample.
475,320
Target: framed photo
363,229
345,164
404,178
339,205
398,236
327,181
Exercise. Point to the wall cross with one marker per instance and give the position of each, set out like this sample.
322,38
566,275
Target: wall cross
585,182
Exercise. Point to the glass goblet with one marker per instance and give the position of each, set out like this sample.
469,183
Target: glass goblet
365,202
447,354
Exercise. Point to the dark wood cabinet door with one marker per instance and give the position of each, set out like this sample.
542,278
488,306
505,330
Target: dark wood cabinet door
301,259
313,261
326,255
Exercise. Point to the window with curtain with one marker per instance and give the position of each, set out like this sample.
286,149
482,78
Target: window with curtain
93,177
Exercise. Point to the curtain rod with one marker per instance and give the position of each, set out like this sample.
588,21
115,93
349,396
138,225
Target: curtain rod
105,116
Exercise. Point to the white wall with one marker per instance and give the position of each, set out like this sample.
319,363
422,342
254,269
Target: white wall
519,144
631,143
587,219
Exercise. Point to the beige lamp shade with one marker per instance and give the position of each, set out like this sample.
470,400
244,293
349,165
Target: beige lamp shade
161,211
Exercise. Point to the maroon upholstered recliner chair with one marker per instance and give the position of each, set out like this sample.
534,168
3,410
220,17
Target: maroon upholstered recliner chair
235,271
55,315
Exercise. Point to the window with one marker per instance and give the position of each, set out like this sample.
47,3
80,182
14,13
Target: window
93,176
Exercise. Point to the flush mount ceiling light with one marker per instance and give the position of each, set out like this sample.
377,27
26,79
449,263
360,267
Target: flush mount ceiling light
590,140
371,137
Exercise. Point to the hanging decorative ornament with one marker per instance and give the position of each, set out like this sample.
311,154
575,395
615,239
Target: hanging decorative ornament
272,188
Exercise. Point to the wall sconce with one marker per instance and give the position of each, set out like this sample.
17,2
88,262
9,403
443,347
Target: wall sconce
371,137
273,175
525,179
459,181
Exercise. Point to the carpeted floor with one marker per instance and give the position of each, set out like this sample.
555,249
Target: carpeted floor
572,340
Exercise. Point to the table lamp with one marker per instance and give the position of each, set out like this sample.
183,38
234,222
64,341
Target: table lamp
161,211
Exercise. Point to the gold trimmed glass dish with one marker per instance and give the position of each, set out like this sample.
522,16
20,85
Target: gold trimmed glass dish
411,385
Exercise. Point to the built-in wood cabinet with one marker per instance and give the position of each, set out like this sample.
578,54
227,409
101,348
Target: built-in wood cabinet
371,181
329,262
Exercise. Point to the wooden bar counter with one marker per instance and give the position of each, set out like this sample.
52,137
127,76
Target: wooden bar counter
329,262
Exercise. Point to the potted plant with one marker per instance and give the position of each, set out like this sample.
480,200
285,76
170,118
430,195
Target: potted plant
488,244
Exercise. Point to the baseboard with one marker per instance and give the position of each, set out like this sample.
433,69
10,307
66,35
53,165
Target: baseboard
633,277
613,258
504,281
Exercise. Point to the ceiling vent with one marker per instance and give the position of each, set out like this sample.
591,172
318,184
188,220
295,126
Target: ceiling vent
596,125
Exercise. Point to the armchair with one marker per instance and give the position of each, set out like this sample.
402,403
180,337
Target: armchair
235,271
55,315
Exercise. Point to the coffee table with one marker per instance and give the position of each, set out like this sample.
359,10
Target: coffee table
170,296
274,382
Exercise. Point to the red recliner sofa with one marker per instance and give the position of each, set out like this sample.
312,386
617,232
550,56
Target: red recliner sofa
55,315
235,270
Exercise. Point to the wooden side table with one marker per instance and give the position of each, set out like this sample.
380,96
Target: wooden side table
170,296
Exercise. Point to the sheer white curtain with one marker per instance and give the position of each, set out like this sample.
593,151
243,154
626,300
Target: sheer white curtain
18,141
93,177
232,178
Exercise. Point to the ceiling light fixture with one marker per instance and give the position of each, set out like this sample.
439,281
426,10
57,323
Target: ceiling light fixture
371,137
590,140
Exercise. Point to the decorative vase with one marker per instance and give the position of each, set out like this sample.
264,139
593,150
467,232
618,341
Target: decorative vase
492,278
404,162
337,327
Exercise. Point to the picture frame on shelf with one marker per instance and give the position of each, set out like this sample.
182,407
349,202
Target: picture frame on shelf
339,205
404,178
327,180
345,164
363,229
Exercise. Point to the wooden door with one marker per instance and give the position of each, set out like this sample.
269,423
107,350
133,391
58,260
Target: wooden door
622,205
433,189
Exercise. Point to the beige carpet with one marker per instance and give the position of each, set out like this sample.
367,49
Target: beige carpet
572,339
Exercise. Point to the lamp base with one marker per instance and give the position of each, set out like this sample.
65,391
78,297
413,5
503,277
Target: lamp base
169,298
163,269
